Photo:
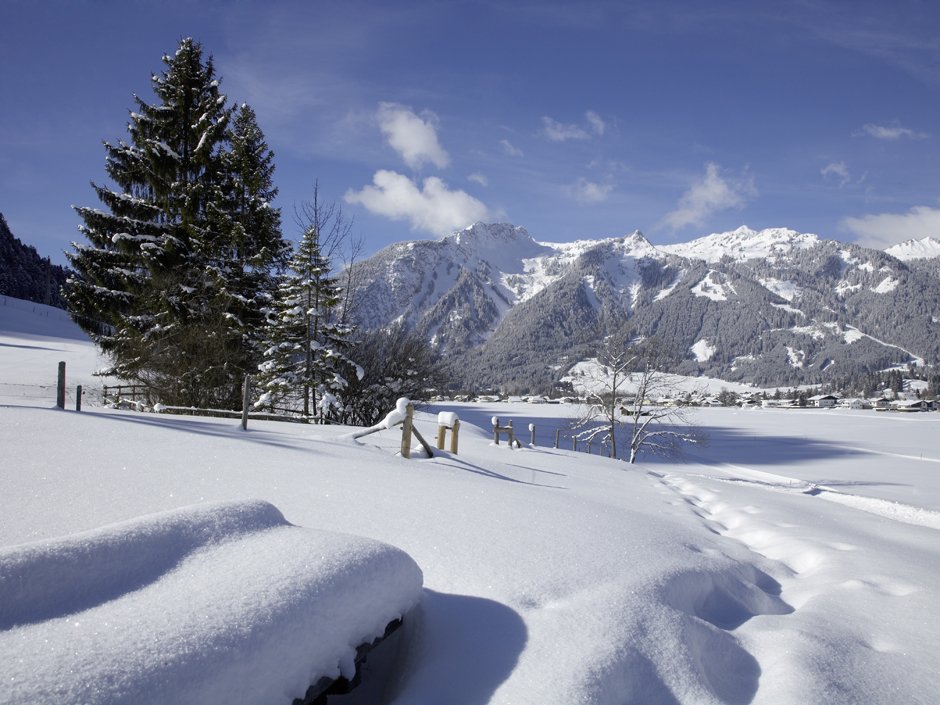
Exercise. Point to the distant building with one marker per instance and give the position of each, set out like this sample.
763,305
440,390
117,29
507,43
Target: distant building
823,401
855,404
910,405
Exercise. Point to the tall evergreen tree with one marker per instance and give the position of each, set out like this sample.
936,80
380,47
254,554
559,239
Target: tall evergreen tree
176,261
248,261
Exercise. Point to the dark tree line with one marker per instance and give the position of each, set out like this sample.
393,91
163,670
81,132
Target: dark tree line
26,275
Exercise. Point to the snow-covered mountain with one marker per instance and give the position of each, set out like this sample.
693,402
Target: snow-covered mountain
925,248
769,307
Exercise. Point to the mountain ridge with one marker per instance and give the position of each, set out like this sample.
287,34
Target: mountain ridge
771,307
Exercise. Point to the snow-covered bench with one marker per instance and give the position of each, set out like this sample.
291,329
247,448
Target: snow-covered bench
223,602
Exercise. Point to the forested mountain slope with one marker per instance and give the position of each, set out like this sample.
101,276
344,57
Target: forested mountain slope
773,307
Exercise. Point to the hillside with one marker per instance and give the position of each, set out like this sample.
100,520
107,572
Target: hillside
26,275
771,307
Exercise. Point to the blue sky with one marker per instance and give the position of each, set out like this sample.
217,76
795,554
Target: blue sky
573,119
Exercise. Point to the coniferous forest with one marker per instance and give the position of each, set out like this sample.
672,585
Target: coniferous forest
26,275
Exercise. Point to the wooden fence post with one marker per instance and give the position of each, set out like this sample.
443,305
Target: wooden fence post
574,443
406,427
532,434
557,433
60,387
78,398
453,436
495,430
441,434
246,394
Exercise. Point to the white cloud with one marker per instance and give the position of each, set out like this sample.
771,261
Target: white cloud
479,179
839,170
891,132
414,137
510,149
433,208
597,123
555,131
885,229
589,192
710,194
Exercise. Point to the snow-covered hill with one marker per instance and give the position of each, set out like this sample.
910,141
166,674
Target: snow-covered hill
792,559
773,307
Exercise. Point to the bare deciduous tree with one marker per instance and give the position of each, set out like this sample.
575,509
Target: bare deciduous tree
628,397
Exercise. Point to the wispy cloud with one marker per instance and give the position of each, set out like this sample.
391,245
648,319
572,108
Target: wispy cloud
891,132
433,208
555,131
596,122
882,230
708,195
839,170
478,178
510,149
414,137
590,192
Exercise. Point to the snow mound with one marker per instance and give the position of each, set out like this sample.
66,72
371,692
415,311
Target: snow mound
396,415
223,602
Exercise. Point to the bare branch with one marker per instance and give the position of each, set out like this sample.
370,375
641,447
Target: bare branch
648,418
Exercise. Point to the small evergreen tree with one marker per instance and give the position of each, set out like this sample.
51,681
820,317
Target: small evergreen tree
306,361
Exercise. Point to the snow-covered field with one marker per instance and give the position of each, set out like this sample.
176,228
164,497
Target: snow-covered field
794,559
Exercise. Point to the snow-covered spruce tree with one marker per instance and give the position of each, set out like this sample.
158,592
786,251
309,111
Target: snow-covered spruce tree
160,268
306,365
246,264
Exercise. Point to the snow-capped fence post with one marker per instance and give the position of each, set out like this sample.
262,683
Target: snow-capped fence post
78,398
406,428
574,443
60,387
447,421
532,434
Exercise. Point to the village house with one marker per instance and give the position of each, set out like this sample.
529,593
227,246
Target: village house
910,405
822,401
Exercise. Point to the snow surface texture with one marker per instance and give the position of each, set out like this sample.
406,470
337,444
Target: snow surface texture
794,559
222,602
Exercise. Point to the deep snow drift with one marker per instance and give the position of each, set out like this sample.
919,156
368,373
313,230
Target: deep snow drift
792,560
222,602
